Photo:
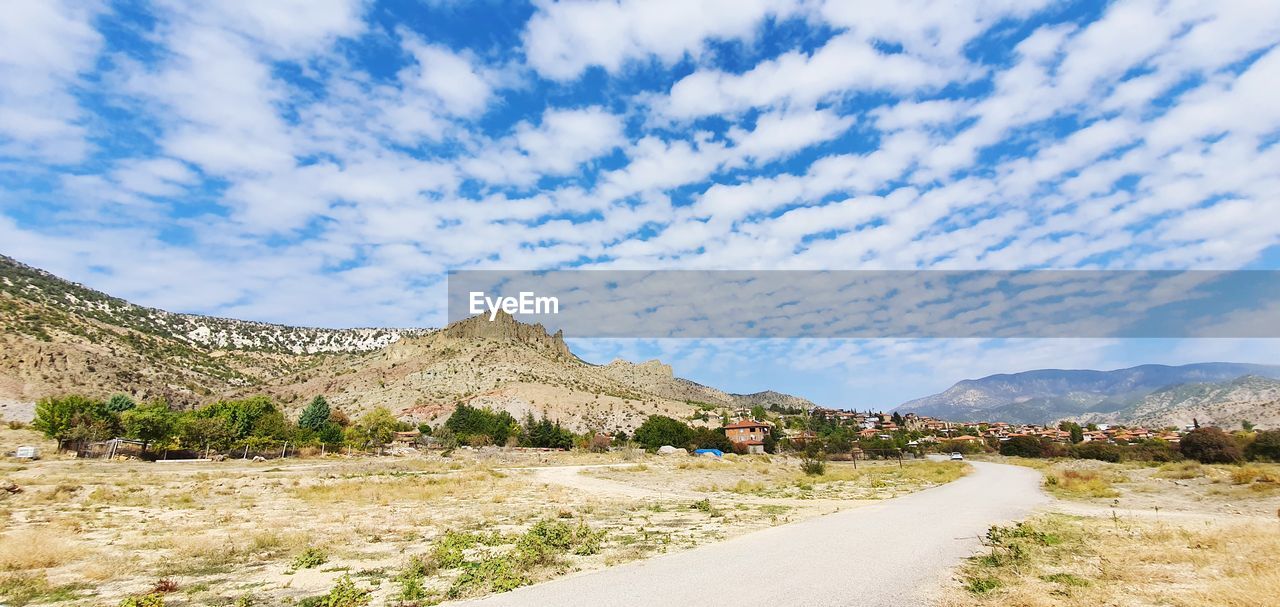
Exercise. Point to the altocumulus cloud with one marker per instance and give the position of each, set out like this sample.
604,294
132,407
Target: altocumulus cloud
325,162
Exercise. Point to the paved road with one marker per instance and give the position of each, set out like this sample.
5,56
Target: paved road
892,553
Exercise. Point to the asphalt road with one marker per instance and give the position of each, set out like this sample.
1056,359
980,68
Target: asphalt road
892,553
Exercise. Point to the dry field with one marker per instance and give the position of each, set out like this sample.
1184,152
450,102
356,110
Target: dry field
1179,534
780,479
412,530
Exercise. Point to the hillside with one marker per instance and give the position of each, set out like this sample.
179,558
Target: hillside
1226,404
1046,395
61,337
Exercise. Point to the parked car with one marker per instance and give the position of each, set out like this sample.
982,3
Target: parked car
956,455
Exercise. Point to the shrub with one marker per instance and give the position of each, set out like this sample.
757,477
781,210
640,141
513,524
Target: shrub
1248,474
1080,483
813,466
410,580
448,552
310,558
713,438
1153,450
344,593
143,600
1023,446
1099,451
1211,446
1265,446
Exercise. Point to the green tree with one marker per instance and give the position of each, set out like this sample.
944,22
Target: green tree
544,434
74,417
119,403
150,423
1265,446
659,430
1077,433
1210,445
240,415
377,428
472,424
316,415
205,432
54,416
1023,446
712,438
1097,450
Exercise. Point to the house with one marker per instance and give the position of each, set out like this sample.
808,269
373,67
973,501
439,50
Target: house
749,433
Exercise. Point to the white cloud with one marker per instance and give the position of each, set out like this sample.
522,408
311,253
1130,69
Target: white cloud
564,38
45,48
447,76
844,65
780,133
563,140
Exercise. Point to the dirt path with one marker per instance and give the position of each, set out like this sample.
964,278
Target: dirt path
890,553
573,478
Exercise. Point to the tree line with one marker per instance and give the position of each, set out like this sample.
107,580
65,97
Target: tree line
1206,445
255,423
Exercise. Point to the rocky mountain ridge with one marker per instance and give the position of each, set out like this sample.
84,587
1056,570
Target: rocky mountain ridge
1047,395
22,282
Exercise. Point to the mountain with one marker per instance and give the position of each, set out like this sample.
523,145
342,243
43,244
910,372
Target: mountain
769,397
1227,404
58,337
1047,395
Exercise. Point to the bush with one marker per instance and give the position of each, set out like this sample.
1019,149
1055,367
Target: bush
143,600
813,466
345,593
310,559
1154,450
1266,446
448,552
1023,446
659,430
1211,446
709,438
1099,451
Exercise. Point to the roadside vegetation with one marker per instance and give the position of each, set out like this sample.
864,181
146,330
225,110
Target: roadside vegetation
1069,561
1198,526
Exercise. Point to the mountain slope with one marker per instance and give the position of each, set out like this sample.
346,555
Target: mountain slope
1227,404
58,337
1046,395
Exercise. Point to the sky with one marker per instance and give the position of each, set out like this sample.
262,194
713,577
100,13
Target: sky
324,162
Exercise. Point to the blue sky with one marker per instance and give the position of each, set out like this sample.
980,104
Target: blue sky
323,162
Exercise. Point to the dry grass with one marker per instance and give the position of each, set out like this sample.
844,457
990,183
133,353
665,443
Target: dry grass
1081,483
398,489
35,548
1064,561
785,480
1245,475
1181,470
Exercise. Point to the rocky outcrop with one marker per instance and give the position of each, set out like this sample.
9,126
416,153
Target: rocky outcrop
506,328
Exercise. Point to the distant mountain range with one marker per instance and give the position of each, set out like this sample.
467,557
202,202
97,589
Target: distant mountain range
57,337
1217,392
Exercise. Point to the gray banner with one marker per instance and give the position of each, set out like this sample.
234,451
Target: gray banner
874,304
